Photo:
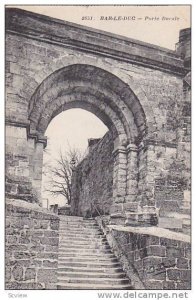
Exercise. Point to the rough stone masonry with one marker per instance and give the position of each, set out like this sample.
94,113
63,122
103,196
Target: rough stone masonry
140,91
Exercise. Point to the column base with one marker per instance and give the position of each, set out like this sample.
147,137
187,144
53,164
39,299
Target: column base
117,219
131,214
144,216
141,219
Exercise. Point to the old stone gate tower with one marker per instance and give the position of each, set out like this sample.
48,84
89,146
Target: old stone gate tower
141,92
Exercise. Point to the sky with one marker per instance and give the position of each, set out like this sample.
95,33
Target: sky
152,24
76,127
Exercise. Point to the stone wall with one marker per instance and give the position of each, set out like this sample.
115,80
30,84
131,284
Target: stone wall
92,180
18,184
31,246
142,93
30,61
162,263
153,258
169,193
139,89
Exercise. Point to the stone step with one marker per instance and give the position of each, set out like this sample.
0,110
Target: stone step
83,243
78,227
82,240
74,221
73,218
93,241
79,230
88,248
84,274
69,219
100,250
104,281
87,260
77,221
88,264
85,250
80,286
84,247
85,255
90,270
82,236
77,218
81,233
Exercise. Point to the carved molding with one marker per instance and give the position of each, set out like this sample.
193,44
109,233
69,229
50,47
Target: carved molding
88,40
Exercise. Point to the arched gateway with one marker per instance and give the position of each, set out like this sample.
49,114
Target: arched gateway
112,101
133,87
141,92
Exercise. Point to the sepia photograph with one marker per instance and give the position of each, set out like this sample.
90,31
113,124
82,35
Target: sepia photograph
98,147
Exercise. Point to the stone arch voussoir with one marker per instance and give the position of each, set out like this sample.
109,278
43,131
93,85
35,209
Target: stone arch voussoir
143,102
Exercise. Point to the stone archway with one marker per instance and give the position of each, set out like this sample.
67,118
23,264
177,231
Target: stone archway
112,101
53,65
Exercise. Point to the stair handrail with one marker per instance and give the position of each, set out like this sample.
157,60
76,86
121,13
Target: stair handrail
100,215
96,208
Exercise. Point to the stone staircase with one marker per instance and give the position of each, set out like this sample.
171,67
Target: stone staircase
85,258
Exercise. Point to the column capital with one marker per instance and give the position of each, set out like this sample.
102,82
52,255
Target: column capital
131,147
42,140
118,150
125,150
39,138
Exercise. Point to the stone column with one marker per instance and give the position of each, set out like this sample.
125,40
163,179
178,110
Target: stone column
131,203
139,207
36,146
119,185
31,150
150,176
38,163
132,173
